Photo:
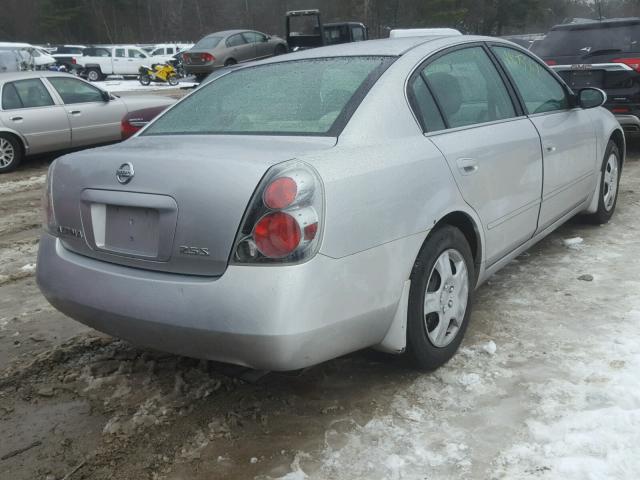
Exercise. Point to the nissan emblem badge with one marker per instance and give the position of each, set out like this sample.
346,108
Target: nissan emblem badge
125,173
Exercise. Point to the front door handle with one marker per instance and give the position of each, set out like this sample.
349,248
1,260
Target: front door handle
550,148
75,112
467,166
16,119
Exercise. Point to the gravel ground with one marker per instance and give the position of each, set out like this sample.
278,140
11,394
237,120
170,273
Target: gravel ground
545,385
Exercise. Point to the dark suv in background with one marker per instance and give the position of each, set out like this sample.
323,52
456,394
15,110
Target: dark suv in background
603,54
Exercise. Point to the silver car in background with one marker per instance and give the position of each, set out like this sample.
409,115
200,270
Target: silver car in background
43,112
230,47
344,197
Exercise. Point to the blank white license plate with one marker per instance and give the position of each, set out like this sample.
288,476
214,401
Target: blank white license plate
132,230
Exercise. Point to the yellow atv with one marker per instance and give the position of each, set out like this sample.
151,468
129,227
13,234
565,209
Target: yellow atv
159,72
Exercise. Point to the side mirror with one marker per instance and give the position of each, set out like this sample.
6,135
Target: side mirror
591,97
106,96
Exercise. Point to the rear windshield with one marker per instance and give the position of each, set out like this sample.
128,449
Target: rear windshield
589,41
303,97
208,42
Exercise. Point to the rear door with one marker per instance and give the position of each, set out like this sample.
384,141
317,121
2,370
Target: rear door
28,107
239,49
261,46
492,149
120,61
567,134
93,120
136,59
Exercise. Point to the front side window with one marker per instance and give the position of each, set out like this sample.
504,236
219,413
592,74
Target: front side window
301,97
25,94
136,54
358,34
539,90
235,40
468,88
157,51
75,91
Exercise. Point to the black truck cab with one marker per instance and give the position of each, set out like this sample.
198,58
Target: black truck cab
306,30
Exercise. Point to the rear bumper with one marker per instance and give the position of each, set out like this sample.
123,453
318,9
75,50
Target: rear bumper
629,123
199,69
271,318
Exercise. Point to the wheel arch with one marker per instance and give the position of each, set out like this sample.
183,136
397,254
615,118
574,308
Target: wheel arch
471,231
18,136
618,138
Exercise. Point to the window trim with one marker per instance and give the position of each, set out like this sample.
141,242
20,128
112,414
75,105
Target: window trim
77,80
53,99
417,71
571,96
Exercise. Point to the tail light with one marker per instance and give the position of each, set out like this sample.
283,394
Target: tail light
207,57
551,63
284,218
74,61
634,63
186,58
131,126
48,215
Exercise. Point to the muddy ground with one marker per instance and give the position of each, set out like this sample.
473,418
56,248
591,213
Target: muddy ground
545,385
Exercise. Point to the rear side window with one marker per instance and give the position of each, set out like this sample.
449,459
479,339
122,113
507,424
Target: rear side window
120,52
303,97
539,90
235,40
25,94
468,88
424,106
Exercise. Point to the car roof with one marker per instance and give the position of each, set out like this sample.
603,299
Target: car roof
12,76
381,47
226,33
589,25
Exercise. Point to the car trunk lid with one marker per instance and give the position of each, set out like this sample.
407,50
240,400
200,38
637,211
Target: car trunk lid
170,203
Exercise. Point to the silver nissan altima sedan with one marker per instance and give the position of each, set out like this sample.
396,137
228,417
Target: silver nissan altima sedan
308,206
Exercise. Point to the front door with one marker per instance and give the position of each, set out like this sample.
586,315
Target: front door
492,150
567,134
93,120
28,108
136,59
261,45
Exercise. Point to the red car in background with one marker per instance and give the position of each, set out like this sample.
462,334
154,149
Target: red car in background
136,120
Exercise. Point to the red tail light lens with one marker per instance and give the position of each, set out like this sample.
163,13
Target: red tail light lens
280,193
207,57
551,63
630,62
127,130
277,234
284,218
74,61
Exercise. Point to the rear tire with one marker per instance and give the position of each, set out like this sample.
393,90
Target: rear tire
201,76
280,50
145,80
94,75
609,183
230,62
440,297
11,153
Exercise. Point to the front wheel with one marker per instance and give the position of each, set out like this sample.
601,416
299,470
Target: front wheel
609,182
145,79
440,297
173,80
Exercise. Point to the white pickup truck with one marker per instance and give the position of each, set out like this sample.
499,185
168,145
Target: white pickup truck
113,60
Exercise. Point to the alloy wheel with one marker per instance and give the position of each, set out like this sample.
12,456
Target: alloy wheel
611,172
7,153
445,300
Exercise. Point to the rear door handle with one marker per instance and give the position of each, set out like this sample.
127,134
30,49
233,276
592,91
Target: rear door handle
467,166
16,119
75,112
550,148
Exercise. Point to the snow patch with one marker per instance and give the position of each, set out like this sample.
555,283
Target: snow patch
114,85
573,243
21,185
28,268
